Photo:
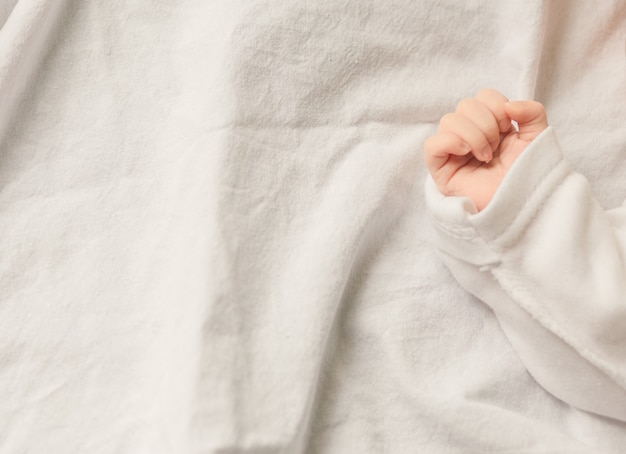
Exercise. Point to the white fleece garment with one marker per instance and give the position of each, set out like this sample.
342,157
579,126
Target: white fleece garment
550,262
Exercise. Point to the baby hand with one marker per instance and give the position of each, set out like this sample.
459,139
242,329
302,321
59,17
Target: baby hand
477,144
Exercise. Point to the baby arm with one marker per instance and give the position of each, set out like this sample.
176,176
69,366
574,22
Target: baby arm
521,231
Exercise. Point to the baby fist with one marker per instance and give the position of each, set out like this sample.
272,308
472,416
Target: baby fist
477,144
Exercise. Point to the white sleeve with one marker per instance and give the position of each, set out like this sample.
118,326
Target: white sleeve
551,263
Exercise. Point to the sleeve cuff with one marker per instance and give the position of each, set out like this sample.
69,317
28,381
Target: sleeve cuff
533,176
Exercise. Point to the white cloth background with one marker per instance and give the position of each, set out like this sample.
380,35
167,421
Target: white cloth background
212,230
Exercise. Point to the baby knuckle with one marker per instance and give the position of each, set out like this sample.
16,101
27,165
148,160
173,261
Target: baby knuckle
446,120
465,105
539,106
487,92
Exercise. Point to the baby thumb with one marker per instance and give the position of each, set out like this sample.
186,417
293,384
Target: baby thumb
530,116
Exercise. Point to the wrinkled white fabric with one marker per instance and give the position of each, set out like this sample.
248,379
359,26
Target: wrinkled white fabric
213,234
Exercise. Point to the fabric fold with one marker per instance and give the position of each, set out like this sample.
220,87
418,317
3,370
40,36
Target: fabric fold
25,38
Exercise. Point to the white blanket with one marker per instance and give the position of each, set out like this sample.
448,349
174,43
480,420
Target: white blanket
213,235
